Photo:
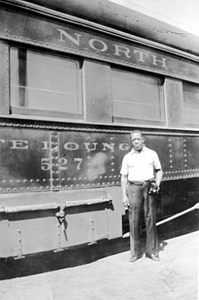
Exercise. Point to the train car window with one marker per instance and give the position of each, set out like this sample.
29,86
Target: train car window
191,103
138,97
44,84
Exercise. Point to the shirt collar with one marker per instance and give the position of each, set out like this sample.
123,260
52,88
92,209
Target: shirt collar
134,151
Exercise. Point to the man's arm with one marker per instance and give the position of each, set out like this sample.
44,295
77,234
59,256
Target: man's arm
124,182
158,177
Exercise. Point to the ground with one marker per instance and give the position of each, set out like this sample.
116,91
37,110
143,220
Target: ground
115,278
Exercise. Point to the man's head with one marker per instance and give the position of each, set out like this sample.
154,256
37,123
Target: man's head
137,140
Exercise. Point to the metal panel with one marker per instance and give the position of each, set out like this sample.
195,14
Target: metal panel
85,227
55,221
4,79
9,239
38,160
125,19
97,92
174,103
89,43
24,160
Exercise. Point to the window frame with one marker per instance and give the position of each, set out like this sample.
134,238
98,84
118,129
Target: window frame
187,122
17,110
122,120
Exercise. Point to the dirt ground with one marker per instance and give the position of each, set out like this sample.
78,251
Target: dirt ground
115,278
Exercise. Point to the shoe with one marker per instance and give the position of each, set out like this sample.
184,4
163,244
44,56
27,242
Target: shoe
133,258
152,256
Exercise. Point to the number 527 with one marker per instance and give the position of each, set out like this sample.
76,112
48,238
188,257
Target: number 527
46,164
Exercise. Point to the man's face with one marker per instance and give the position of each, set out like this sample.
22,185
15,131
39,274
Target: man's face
137,141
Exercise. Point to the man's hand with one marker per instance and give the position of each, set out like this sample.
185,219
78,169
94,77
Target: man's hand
125,202
154,188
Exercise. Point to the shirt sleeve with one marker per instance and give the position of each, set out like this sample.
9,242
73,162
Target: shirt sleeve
156,163
124,168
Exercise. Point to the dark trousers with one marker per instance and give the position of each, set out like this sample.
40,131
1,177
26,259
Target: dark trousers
141,201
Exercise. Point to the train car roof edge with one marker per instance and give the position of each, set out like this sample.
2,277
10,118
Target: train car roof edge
127,20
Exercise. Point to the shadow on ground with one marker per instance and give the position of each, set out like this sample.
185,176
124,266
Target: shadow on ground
50,261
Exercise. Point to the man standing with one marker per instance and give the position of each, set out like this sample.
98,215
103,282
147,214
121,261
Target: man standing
140,173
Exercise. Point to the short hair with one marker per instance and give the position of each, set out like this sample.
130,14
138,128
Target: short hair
136,131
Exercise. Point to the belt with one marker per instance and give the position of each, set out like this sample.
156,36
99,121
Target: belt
138,182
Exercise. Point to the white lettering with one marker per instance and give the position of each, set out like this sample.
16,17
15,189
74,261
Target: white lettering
141,55
162,61
109,146
45,145
19,144
122,49
124,147
103,47
71,146
90,149
69,37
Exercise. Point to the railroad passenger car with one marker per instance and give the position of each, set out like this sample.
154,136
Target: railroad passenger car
76,78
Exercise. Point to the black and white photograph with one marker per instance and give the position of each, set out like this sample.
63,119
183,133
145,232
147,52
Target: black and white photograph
99,150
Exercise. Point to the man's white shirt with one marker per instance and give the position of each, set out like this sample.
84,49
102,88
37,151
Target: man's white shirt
140,166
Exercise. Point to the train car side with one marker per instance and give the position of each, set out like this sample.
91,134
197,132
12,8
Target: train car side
71,92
